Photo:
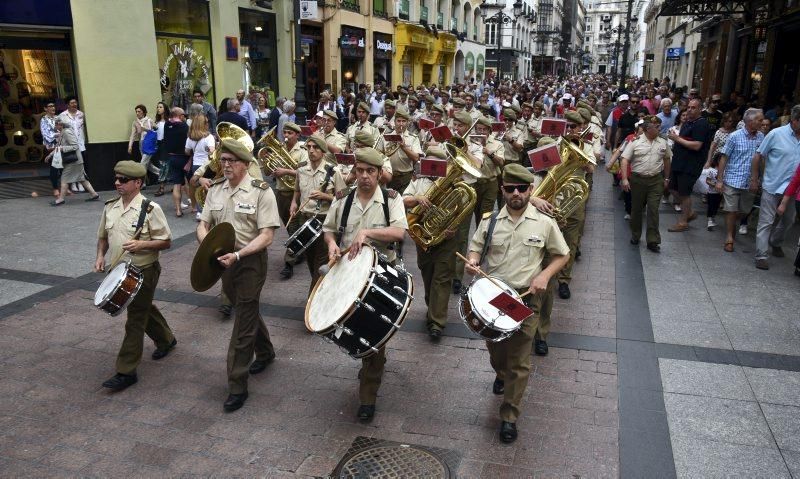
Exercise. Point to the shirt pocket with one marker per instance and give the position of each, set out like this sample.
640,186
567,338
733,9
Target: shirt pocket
533,248
497,250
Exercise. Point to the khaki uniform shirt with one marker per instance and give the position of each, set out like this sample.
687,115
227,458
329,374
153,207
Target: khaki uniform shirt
401,163
356,127
310,179
118,224
517,249
517,135
597,139
474,113
476,151
369,216
248,208
489,168
535,124
388,124
299,154
647,157
418,186
336,139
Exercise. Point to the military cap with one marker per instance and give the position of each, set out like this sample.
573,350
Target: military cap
438,108
402,113
131,169
413,97
583,104
544,141
292,126
459,102
430,98
331,114
516,108
516,173
390,104
585,114
463,117
652,119
538,104
485,121
509,114
319,142
365,138
370,156
527,105
403,91
437,152
573,116
237,149
362,105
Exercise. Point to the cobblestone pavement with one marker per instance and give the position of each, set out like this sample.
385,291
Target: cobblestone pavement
621,393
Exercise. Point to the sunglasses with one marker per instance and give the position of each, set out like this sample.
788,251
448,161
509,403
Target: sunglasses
122,179
510,188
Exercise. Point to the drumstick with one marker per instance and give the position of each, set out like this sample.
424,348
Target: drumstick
480,271
122,251
298,210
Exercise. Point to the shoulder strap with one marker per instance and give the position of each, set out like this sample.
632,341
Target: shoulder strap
489,232
385,205
348,203
146,208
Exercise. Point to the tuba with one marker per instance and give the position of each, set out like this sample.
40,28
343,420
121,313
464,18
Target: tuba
561,188
452,200
224,130
274,155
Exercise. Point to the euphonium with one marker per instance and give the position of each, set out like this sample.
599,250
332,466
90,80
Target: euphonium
274,155
452,200
561,188
224,130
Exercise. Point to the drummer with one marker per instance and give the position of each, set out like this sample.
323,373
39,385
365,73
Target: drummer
520,238
122,217
314,184
249,205
367,223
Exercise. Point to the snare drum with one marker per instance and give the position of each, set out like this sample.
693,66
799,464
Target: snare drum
304,237
481,317
118,288
360,304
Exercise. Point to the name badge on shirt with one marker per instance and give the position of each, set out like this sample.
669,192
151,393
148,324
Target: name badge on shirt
535,239
245,208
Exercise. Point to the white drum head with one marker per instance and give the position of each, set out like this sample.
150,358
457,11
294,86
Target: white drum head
481,291
338,290
110,283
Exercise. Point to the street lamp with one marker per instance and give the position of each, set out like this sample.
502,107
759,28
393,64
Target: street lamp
500,19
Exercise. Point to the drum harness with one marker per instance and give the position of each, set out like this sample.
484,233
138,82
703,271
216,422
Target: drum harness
348,203
488,239
146,208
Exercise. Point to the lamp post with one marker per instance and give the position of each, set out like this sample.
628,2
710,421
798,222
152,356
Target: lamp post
542,33
300,82
500,19
631,28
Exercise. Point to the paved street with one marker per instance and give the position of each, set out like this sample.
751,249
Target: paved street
680,364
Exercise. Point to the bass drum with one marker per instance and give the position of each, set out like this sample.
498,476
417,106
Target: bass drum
481,317
360,303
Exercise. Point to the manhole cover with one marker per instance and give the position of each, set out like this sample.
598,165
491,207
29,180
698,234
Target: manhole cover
375,458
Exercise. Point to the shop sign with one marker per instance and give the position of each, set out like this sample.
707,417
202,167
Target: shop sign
674,53
352,43
182,70
469,62
383,47
448,45
481,63
308,10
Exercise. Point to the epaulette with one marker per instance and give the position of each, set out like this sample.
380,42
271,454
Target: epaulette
108,202
150,207
487,215
341,194
391,193
218,181
302,163
260,184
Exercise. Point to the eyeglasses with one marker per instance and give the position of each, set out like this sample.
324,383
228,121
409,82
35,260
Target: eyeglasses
229,160
510,188
122,179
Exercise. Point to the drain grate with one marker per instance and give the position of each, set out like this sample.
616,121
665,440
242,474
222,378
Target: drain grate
375,458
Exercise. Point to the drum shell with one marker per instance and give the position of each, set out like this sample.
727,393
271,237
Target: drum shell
477,324
305,235
124,293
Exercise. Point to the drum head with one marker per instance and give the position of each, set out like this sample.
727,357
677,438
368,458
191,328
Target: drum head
110,283
337,291
481,291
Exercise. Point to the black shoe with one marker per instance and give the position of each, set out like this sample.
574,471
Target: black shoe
499,387
287,271
160,353
577,254
435,334
634,241
508,432
654,247
93,198
366,413
234,402
457,286
540,347
225,309
259,365
563,291
57,203
120,382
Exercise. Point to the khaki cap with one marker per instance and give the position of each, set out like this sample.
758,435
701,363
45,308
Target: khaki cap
573,116
458,102
131,169
516,173
365,138
362,105
232,146
292,126
318,142
485,121
545,140
402,113
463,117
438,108
585,114
510,114
370,156
390,104
331,114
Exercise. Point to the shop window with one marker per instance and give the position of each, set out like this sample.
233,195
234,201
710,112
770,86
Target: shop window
404,9
379,8
182,17
257,32
426,73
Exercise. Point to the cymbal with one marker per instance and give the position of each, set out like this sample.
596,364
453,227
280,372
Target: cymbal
206,270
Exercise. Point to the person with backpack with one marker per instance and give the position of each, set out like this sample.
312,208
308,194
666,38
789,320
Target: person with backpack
144,130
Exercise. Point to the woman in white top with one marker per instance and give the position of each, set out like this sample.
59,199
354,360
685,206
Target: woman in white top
200,145
162,112
262,116
141,125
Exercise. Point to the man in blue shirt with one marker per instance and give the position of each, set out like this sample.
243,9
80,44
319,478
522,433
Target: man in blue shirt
781,152
734,169
667,116
246,110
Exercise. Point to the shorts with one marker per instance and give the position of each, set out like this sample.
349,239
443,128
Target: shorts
177,176
737,199
682,182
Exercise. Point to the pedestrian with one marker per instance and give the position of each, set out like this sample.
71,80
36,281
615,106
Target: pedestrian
162,112
779,154
288,110
734,173
200,145
175,132
275,114
262,116
712,114
232,115
68,148
667,115
689,151
122,218
247,112
142,124
208,109
47,125
77,120
649,157
791,197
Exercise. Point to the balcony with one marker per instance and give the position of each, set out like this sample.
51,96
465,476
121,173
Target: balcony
352,5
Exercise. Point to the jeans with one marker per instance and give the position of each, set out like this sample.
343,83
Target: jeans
771,230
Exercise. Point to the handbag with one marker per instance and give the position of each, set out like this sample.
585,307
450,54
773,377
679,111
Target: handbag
69,157
149,144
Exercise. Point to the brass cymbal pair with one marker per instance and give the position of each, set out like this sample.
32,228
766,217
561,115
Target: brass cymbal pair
206,269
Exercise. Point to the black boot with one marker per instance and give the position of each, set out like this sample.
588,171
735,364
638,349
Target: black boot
287,271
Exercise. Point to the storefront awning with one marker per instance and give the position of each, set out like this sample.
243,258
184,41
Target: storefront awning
704,8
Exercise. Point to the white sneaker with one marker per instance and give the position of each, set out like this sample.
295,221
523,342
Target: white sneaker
711,224
664,201
80,188
197,217
742,229
677,208
73,189
627,217
185,205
